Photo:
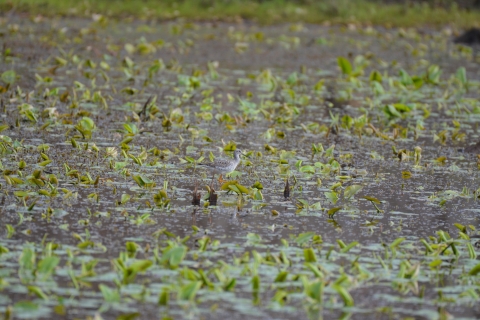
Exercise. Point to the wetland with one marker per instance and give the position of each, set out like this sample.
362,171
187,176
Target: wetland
357,197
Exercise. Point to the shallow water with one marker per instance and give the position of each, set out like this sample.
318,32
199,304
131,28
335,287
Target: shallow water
266,99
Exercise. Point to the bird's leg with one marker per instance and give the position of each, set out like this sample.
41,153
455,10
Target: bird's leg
211,183
220,179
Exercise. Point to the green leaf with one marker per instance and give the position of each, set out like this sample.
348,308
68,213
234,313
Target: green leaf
110,295
460,227
281,276
314,269
255,284
120,165
164,297
48,265
10,230
203,243
471,251
27,259
345,295
190,159
125,198
140,265
38,292
3,250
405,78
258,185
375,76
378,88
87,123
280,296
24,307
9,76
435,263
20,194
396,242
258,195
391,111
128,316
309,255
304,238
242,189
85,244
332,196
373,199
174,256
406,174
143,182
461,75
26,110
344,65
332,211
315,290
4,127
45,163
230,285
253,238
235,187
349,246
351,190
433,74
189,291
131,247
127,140
307,169
475,270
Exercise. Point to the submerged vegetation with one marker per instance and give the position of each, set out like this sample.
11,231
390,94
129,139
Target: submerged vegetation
356,195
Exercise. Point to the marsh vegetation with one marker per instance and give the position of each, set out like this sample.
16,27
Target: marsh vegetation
356,198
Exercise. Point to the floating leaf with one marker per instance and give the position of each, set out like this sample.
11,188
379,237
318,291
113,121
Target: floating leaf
48,265
304,238
253,238
281,276
373,199
461,75
110,295
10,230
345,295
174,256
9,77
38,292
309,255
129,316
314,290
164,297
307,169
235,187
475,270
143,181
332,196
189,291
332,211
344,65
351,190
375,76
25,307
406,174
257,185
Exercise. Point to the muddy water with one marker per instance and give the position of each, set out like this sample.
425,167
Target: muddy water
433,196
